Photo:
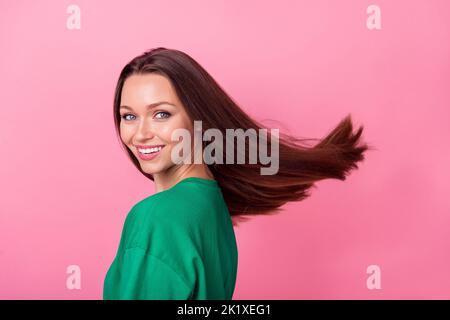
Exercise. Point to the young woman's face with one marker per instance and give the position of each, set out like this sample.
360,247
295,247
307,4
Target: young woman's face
148,126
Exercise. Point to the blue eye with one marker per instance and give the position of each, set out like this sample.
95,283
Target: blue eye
125,116
162,112
158,115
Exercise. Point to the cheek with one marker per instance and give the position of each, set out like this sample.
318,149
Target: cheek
165,131
125,133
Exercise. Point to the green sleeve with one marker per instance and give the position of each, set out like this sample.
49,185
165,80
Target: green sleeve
146,277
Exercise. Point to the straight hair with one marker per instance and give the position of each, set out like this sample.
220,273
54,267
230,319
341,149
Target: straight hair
245,191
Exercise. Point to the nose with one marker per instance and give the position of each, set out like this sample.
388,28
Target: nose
144,131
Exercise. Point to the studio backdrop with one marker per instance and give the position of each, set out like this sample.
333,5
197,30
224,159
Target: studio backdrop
66,184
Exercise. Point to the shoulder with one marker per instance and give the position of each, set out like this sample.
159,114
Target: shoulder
184,204
177,214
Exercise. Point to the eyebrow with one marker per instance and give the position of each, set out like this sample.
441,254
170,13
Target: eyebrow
152,105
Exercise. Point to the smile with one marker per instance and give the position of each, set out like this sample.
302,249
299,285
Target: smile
149,150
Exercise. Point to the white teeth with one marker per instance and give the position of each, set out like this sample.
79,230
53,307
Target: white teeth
149,150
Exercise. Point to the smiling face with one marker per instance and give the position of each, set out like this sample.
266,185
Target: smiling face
150,111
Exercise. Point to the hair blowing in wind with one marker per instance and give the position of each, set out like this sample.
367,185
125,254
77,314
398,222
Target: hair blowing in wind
245,190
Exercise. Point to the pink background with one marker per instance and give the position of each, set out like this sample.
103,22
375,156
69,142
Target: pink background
66,185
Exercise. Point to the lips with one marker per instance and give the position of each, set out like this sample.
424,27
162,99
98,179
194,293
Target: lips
148,152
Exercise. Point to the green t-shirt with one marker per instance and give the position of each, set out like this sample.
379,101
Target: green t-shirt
176,244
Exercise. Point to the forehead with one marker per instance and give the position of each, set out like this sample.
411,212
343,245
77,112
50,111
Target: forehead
147,89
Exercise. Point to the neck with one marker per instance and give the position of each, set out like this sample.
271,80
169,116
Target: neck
170,177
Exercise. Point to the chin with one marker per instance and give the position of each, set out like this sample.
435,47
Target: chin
151,168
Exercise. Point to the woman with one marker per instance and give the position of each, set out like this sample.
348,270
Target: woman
179,243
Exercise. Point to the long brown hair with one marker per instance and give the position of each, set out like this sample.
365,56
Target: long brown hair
245,190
